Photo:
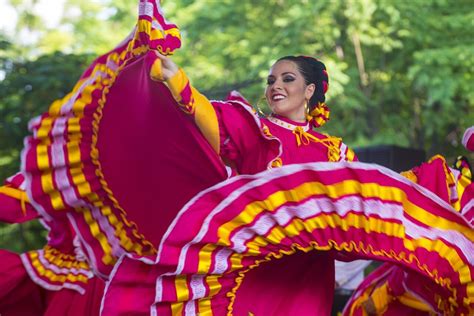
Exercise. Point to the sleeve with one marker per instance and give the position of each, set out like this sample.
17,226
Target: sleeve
198,106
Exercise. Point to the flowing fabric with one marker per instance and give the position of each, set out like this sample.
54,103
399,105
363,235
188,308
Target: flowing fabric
390,289
100,157
353,208
141,184
50,279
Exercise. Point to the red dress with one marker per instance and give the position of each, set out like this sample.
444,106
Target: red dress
149,196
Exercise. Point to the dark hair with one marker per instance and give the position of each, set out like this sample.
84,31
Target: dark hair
313,71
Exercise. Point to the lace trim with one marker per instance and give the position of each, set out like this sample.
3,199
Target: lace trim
286,125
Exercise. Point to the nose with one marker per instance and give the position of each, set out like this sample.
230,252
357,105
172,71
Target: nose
276,85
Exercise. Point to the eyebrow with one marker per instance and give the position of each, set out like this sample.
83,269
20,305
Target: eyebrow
285,73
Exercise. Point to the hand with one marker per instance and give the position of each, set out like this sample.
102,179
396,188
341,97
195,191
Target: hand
168,67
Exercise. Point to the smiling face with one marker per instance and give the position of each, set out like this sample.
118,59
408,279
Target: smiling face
287,92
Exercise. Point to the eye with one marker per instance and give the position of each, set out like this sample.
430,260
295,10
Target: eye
288,79
270,81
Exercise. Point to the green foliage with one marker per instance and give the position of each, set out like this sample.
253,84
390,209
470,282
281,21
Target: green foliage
22,237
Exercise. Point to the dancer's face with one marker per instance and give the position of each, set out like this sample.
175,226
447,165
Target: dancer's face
287,92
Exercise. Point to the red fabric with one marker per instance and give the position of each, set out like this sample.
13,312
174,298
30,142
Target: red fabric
19,295
151,151
304,286
11,210
71,303
433,177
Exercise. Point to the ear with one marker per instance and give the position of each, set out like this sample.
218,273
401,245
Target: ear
309,91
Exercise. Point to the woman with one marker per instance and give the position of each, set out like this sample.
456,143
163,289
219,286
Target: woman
295,92
162,256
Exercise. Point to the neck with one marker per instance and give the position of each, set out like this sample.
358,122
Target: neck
298,116
298,120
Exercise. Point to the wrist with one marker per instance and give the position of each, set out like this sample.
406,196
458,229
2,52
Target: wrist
177,83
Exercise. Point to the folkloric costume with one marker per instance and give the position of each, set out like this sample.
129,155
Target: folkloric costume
140,170
55,280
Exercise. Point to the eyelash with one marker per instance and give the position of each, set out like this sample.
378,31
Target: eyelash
286,79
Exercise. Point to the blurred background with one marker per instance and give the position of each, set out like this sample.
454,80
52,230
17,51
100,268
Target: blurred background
401,72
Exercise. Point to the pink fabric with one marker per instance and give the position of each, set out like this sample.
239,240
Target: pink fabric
71,303
243,144
132,289
467,204
292,153
150,151
433,177
251,153
199,222
121,76
301,284
150,159
11,208
468,138
19,295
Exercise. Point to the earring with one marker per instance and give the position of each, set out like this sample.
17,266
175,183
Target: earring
259,107
309,118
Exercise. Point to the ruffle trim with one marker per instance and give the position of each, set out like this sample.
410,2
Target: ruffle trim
54,270
348,247
276,161
441,265
61,159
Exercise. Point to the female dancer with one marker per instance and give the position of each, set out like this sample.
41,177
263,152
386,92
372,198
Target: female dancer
295,92
119,160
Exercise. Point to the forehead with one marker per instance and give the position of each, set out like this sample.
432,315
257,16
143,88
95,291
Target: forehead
283,66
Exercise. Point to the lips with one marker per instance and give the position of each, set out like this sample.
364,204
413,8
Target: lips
278,97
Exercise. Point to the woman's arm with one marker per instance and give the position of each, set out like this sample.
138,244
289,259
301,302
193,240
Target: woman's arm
188,98
232,128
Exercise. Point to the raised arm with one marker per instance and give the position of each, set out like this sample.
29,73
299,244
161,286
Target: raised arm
189,99
232,128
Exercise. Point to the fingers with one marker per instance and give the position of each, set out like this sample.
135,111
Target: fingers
167,67
160,56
